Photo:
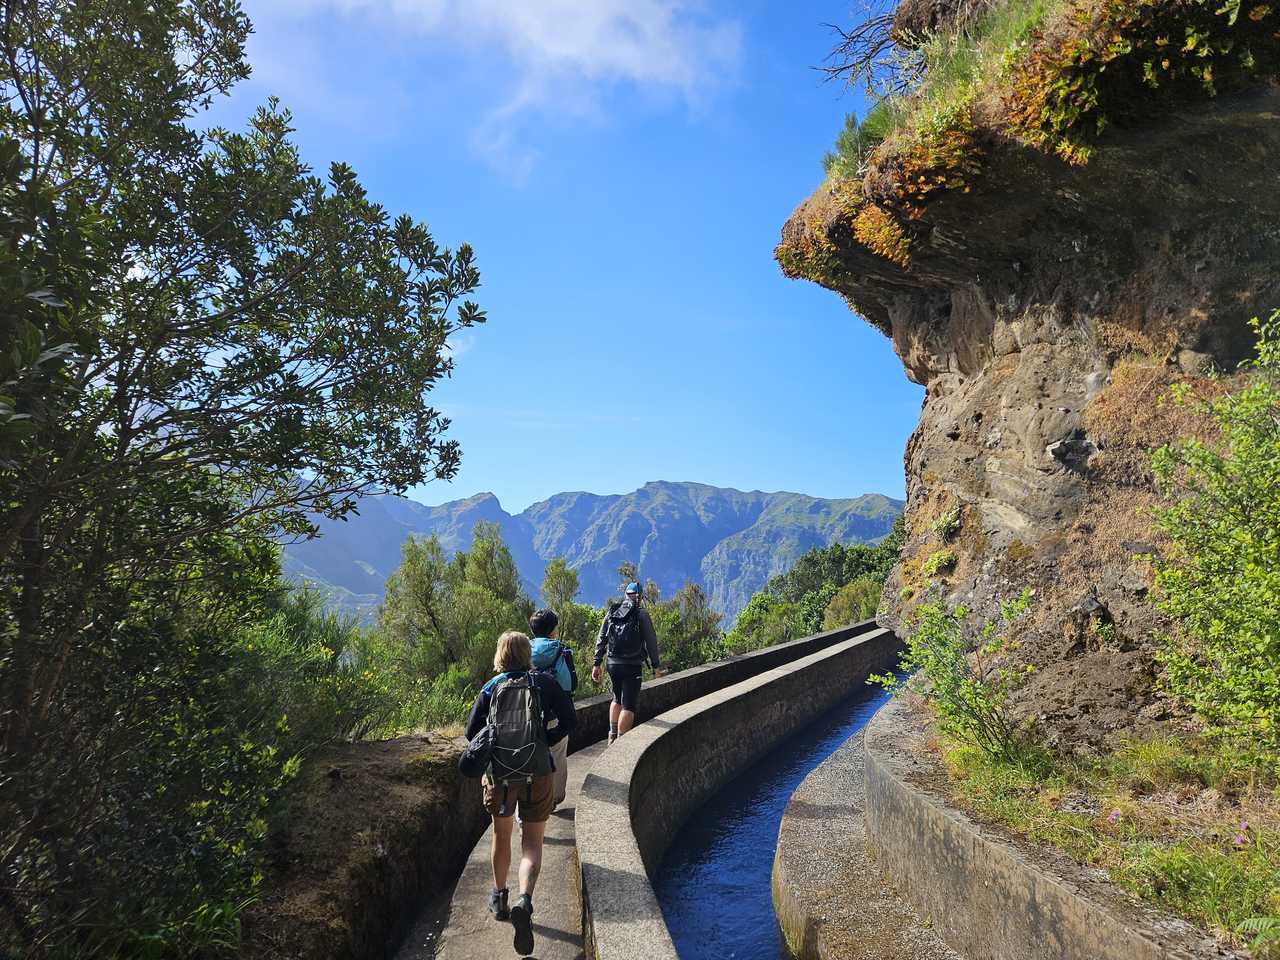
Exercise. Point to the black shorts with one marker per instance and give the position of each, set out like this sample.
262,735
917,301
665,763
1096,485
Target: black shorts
625,678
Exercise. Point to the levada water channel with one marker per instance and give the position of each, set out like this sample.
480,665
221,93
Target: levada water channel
714,885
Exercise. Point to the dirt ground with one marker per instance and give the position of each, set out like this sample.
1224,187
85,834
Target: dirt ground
366,835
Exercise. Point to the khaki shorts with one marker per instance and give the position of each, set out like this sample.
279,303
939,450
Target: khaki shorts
535,801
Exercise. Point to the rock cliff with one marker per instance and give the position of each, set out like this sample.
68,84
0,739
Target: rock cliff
1047,284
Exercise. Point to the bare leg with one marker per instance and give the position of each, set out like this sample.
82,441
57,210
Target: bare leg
626,720
531,861
615,708
501,855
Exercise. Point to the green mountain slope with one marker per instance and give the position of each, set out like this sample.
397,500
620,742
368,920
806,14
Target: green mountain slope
729,541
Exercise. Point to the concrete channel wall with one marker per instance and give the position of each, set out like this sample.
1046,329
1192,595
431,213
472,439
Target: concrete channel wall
643,788
985,898
677,688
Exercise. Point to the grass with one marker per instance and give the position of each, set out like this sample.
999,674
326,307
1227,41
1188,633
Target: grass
1185,824
957,69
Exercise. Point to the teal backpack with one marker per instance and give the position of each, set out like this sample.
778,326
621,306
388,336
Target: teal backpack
549,655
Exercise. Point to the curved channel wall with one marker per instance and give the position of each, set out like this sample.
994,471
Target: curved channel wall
645,786
985,898
674,689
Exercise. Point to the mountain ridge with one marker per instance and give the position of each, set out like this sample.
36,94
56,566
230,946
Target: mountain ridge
730,541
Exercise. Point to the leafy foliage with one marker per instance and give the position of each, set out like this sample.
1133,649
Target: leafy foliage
688,628
1221,577
968,692
1066,93
441,617
857,600
205,344
940,561
800,601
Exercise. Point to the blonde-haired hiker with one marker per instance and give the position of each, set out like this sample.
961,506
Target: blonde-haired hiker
519,704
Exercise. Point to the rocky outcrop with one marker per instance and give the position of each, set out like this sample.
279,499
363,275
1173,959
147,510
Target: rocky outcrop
1047,306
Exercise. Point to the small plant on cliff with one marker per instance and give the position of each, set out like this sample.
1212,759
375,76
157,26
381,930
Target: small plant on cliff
1221,576
938,562
948,525
968,691
852,150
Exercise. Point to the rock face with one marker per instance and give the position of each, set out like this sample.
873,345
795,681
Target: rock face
1046,311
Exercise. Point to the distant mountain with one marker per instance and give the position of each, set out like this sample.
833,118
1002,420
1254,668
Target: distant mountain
729,541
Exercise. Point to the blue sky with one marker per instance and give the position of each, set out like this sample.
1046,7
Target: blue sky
622,169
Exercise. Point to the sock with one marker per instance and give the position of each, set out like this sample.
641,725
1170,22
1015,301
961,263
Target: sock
613,731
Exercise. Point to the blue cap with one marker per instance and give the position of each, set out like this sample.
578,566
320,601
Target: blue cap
633,587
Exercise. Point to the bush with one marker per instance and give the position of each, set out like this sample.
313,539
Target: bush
856,601
940,561
948,525
1220,577
967,692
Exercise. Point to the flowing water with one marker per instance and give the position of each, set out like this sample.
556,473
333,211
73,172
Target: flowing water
714,885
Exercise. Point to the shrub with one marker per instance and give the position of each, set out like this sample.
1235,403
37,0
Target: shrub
940,561
948,525
967,692
855,602
1220,578
1068,91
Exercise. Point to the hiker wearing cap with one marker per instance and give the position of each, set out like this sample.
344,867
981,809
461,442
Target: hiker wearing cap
517,706
553,657
628,639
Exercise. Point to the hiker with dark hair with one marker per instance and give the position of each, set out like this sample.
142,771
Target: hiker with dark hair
628,639
552,656
518,705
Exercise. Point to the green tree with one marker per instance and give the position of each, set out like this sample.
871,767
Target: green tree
765,621
856,601
578,621
688,628
559,584
441,618
1221,576
211,343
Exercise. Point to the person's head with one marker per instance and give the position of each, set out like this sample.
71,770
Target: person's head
543,623
513,654
633,592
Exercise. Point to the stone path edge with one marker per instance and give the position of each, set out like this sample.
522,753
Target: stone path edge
639,793
986,896
831,900
466,932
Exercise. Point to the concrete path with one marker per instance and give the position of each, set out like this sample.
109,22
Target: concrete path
471,933
832,900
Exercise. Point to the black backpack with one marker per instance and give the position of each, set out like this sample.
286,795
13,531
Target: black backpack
622,632
519,751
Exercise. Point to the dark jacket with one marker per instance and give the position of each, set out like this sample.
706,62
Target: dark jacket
556,705
647,632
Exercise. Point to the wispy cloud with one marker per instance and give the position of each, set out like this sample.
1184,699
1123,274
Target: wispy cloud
561,57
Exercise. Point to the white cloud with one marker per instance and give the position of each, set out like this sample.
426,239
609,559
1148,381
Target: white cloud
561,56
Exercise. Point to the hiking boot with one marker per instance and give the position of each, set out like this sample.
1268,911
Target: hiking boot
522,920
498,905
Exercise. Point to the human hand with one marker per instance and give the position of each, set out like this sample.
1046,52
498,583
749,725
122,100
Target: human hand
595,673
